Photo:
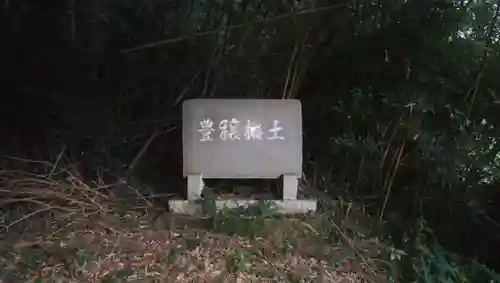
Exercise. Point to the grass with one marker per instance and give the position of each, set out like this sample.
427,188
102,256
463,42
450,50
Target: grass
73,233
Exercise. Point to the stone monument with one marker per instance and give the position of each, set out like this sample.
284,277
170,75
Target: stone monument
243,138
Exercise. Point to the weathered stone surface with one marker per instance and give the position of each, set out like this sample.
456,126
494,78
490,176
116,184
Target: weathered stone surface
272,150
278,207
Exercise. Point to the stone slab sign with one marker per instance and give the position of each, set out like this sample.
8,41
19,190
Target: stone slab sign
242,138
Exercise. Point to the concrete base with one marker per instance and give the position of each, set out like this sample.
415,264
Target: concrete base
194,187
278,206
290,187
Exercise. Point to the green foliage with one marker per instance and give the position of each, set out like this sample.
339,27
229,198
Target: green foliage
432,263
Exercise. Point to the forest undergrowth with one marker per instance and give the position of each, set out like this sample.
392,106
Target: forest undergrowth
69,229
58,227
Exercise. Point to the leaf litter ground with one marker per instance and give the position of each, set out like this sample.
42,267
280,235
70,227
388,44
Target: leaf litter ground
141,246
56,228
